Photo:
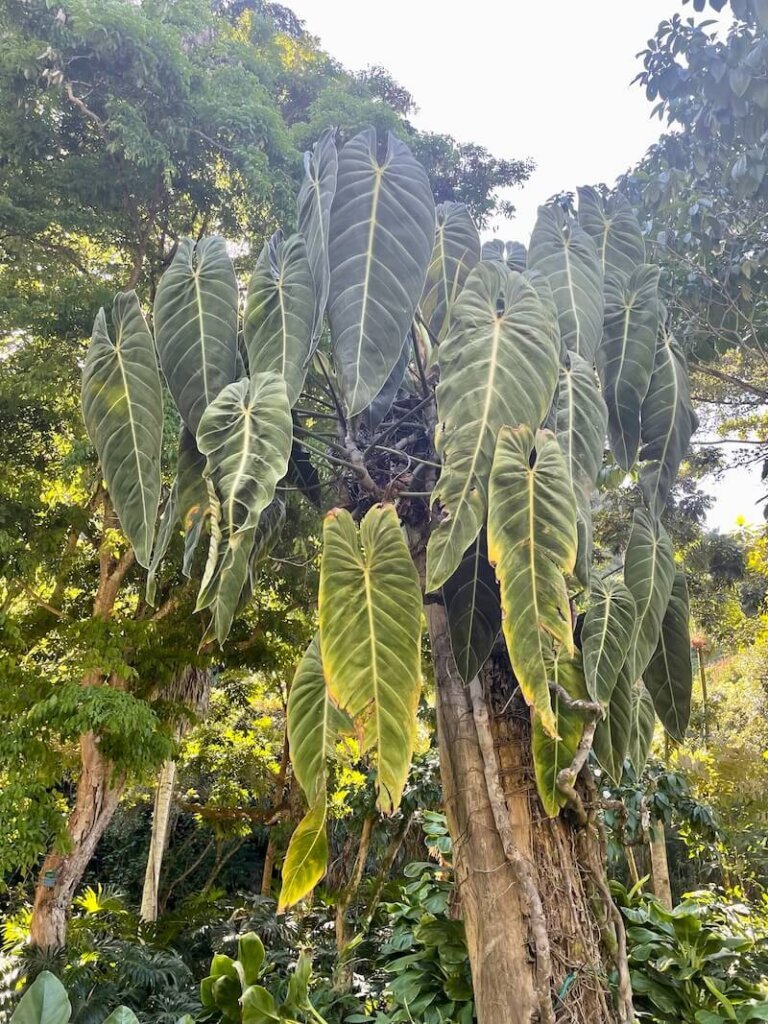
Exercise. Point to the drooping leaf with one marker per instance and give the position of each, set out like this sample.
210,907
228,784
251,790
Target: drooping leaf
258,1006
45,1002
532,542
625,356
581,421
498,367
316,194
613,225
168,521
473,609
123,413
642,727
303,474
307,856
456,251
192,494
566,255
246,435
251,954
649,572
585,531
667,421
314,723
512,254
382,230
221,591
280,312
611,742
370,628
382,403
121,1015
195,317
265,537
606,635
669,676
552,754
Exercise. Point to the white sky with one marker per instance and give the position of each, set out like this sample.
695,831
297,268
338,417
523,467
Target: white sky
547,80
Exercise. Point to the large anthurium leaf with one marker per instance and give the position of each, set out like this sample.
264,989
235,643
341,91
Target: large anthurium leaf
123,412
265,537
611,742
307,856
669,675
616,231
667,421
195,317
316,194
168,521
649,572
532,542
643,723
246,435
625,356
370,630
382,230
498,367
221,591
581,421
280,311
551,754
566,255
314,723
585,530
513,255
473,609
193,497
606,635
456,251
382,403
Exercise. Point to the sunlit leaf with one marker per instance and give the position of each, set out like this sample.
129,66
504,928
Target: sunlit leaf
307,857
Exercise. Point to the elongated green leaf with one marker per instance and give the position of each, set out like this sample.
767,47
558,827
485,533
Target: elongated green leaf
552,754
45,1002
265,537
498,367
280,312
532,542
314,723
585,531
649,572
456,251
123,413
193,497
606,635
246,435
625,356
321,167
566,255
196,325
382,230
668,676
512,254
258,1006
382,403
221,592
370,630
168,522
473,608
307,856
667,421
611,742
643,724
616,231
581,421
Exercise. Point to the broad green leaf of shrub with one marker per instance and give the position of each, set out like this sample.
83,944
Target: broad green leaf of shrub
45,1002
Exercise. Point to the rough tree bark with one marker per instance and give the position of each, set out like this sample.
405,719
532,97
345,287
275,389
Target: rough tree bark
161,816
541,930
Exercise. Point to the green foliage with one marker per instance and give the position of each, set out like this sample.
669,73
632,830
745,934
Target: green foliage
700,963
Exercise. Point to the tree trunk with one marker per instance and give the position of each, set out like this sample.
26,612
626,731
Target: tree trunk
161,816
657,844
98,794
541,929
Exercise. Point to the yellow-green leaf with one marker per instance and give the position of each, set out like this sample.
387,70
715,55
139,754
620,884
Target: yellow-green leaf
532,542
551,754
307,856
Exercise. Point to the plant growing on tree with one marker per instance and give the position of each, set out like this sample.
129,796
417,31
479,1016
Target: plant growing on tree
452,416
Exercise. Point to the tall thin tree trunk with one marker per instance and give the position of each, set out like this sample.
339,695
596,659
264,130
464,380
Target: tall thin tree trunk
659,864
541,929
344,901
97,797
704,697
161,816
